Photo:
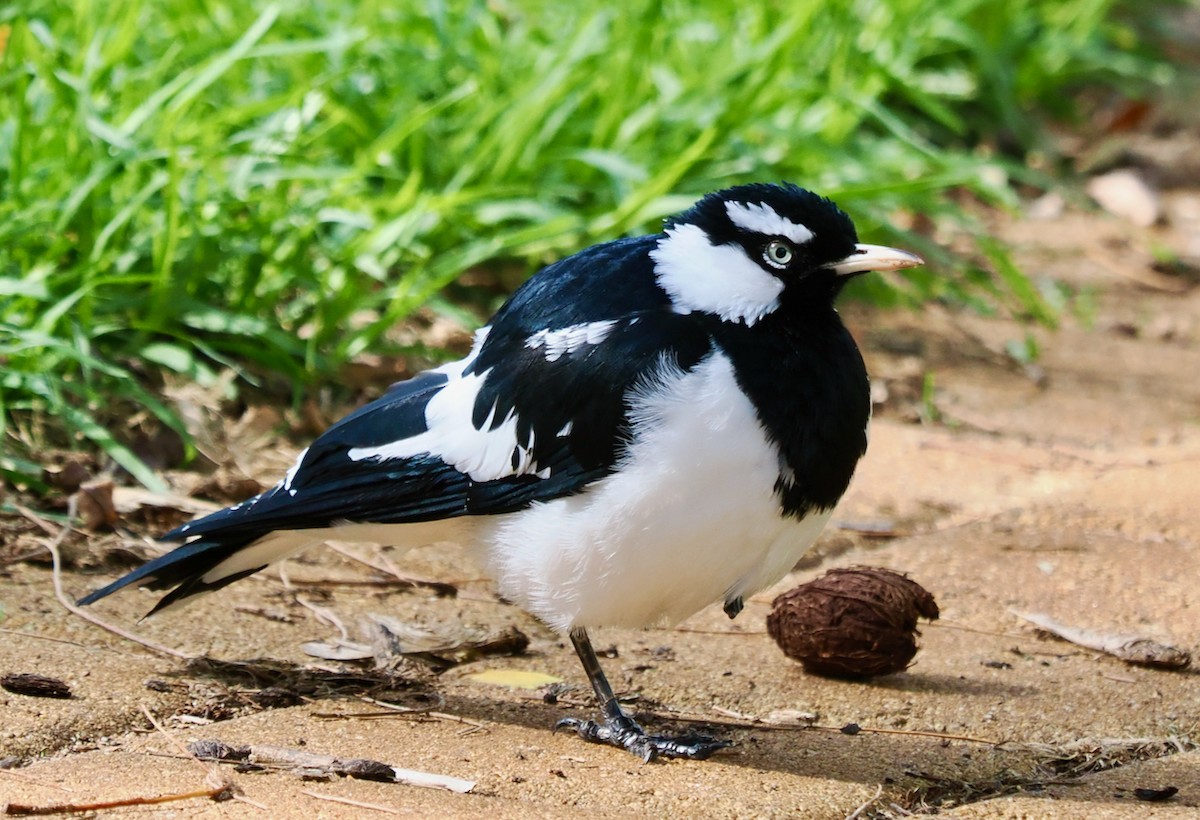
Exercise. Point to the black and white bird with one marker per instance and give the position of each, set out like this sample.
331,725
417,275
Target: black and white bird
647,427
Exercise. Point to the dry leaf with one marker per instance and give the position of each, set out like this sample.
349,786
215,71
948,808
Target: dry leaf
1125,194
337,650
1135,649
790,717
69,476
516,678
388,638
94,503
130,499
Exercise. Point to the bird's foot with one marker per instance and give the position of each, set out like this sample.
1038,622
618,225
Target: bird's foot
623,732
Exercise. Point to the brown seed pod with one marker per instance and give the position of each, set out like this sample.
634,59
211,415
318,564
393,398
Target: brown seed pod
852,623
35,686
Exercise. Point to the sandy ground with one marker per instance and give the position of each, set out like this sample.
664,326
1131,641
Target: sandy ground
1070,490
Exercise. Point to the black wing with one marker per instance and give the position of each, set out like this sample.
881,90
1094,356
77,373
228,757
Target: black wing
569,410
583,392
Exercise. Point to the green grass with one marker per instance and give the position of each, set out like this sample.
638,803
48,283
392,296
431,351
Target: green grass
193,185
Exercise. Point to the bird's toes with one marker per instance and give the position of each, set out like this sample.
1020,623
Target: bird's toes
692,747
589,730
627,735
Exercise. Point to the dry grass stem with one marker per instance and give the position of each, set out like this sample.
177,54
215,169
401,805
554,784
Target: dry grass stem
854,815
22,810
52,546
358,804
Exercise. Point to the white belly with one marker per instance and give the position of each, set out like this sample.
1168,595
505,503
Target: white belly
690,517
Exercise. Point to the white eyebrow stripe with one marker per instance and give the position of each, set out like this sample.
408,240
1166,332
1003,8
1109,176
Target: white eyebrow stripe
762,218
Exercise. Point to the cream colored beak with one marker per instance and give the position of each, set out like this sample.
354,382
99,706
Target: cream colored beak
875,257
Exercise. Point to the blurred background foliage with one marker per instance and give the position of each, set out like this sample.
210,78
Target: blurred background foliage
191,186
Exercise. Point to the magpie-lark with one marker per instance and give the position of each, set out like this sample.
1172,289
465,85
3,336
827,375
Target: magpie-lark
646,427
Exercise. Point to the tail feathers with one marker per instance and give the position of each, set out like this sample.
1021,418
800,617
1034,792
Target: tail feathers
196,585
191,569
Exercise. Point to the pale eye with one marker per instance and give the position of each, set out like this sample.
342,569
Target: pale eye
778,254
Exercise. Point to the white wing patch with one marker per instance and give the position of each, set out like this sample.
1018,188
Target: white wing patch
455,369
291,473
762,218
700,276
484,453
564,341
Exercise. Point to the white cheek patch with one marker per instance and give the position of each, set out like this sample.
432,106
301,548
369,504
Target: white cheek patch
763,219
564,341
720,279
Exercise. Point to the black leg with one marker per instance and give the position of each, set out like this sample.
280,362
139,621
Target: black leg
618,729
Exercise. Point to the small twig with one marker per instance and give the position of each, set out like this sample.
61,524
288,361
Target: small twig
396,707
943,624
350,582
758,723
394,710
356,803
41,523
384,566
263,612
734,724
284,759
366,715
69,605
475,724
241,798
22,810
20,634
872,530
1117,678
918,733
211,773
857,813
323,614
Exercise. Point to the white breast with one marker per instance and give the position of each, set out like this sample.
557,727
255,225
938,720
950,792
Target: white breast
690,517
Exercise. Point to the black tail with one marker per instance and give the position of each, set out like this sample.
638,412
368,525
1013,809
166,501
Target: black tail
184,569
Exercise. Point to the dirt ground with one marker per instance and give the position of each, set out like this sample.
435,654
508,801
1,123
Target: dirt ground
1067,488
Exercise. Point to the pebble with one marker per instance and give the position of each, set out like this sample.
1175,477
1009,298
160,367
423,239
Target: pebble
1126,194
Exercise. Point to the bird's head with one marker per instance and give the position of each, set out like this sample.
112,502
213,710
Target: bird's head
736,252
